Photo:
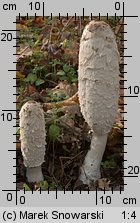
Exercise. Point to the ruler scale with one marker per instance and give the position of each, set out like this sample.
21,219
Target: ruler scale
67,206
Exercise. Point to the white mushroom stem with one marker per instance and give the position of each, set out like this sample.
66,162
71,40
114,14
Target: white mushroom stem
32,136
90,171
98,91
34,174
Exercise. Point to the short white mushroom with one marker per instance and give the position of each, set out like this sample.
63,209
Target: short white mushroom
98,91
32,136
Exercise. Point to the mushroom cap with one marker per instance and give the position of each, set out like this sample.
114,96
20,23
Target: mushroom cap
98,73
32,134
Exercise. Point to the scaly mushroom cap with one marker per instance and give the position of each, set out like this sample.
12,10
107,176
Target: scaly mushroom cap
98,76
32,134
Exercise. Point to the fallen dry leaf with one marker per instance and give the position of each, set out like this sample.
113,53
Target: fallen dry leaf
103,184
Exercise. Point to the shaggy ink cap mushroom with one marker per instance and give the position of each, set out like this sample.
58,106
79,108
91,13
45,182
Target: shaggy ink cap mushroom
32,137
98,90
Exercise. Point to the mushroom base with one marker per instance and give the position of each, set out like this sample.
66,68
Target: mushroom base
34,174
90,170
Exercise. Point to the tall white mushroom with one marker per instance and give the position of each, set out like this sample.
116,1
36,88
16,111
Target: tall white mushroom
32,136
98,91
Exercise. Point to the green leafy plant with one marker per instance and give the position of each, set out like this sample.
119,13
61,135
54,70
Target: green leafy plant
34,77
107,164
68,73
56,98
18,131
53,186
111,162
43,185
54,64
27,188
54,131
66,150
